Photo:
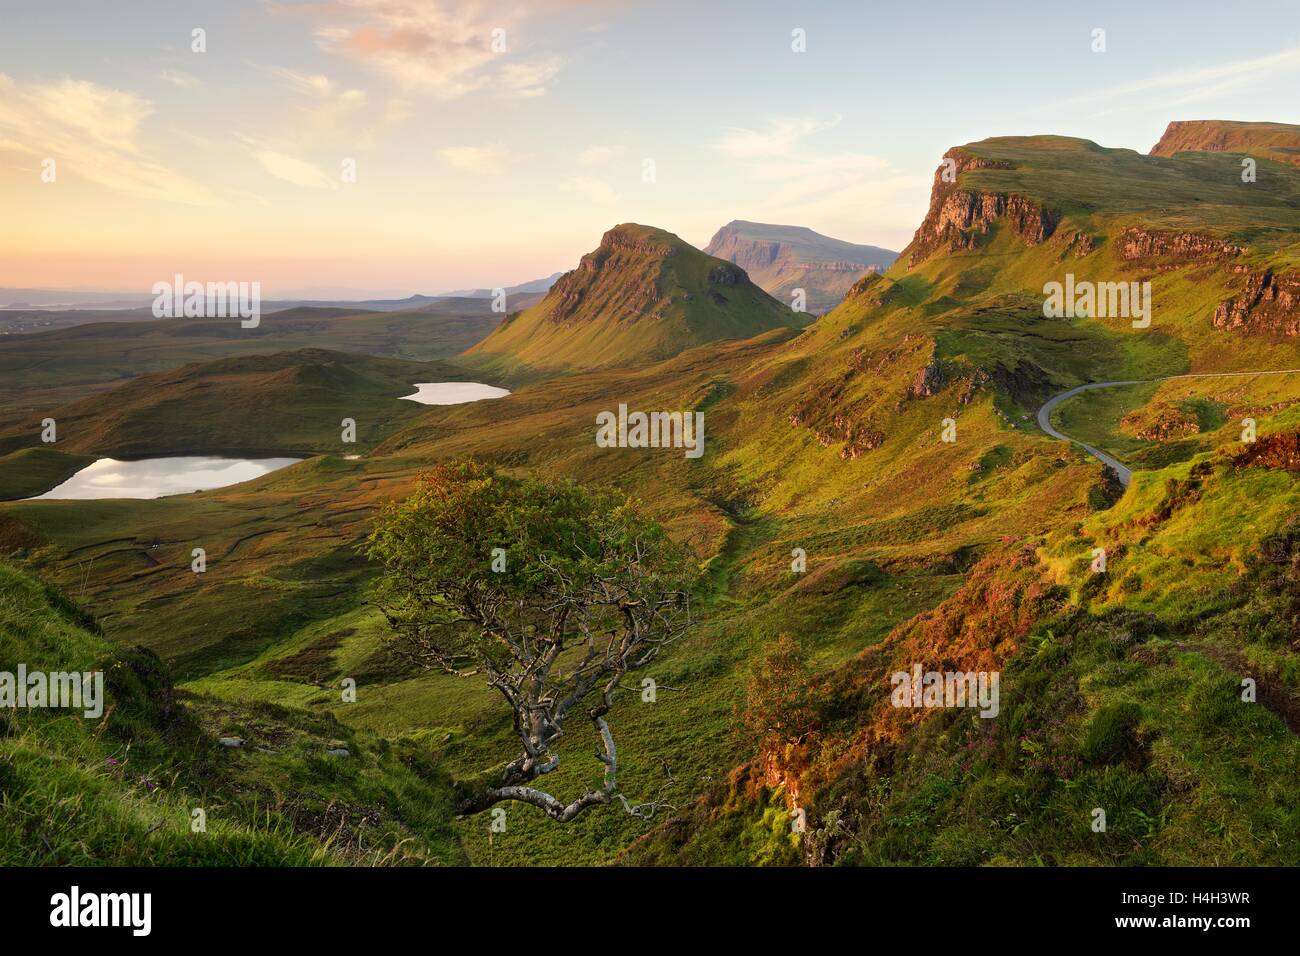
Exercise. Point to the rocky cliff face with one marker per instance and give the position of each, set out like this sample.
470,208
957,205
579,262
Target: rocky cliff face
626,274
1269,303
1136,243
958,217
1277,141
642,295
623,273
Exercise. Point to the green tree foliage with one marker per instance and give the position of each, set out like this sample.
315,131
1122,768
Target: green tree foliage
777,706
549,590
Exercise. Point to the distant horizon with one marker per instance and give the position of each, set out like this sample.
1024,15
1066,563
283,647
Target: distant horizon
358,295
392,148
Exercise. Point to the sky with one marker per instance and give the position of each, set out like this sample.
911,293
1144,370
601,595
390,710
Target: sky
494,143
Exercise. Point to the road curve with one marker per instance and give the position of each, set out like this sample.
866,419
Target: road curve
1125,473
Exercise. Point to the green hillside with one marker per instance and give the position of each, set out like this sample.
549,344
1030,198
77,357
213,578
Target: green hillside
644,295
1121,690
41,370
289,403
32,471
121,790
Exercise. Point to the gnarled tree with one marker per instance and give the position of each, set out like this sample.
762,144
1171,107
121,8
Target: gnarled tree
551,591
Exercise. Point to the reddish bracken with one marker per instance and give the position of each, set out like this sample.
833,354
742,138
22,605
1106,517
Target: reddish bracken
1281,450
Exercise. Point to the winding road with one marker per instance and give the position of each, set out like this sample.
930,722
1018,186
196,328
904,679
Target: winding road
1125,473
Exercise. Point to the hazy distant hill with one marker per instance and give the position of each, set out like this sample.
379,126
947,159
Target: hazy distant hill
57,366
465,301
286,403
536,285
643,295
780,259
13,321
130,306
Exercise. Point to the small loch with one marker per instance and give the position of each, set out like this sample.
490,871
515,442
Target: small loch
158,477
453,393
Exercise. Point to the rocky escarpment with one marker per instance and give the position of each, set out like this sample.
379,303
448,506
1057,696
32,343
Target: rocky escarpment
1137,242
871,290
756,256
619,249
626,274
1268,304
835,414
1277,141
940,374
958,217
642,295
858,438
625,255
1073,242
1280,451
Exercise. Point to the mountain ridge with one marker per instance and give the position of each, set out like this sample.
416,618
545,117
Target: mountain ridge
780,259
972,553
642,295
1276,141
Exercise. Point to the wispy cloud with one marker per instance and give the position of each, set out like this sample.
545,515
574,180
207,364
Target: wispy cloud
527,80
179,78
595,156
594,189
777,154
294,170
93,132
442,49
308,84
778,138
484,160
328,105
1184,86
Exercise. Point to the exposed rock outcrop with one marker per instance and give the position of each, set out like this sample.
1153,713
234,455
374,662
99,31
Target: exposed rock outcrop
1269,303
929,381
642,295
1136,243
1160,423
1074,242
1277,141
1281,451
618,248
958,217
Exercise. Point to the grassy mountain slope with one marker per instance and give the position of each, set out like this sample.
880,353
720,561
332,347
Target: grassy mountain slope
1156,424
1026,211
1120,691
287,403
642,296
829,439
32,471
42,370
780,259
121,789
